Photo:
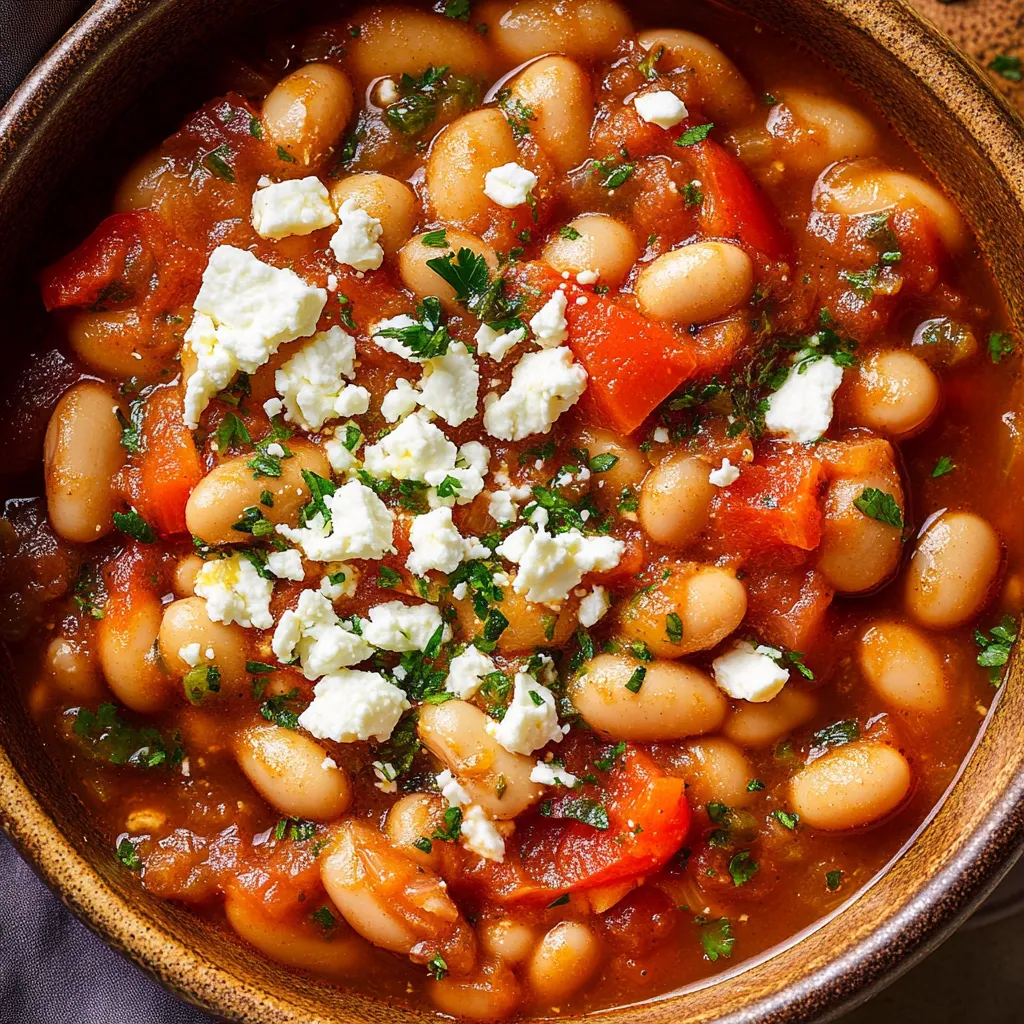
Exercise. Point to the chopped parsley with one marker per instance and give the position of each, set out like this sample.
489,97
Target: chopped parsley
458,9
201,680
86,592
636,680
105,736
283,154
387,578
275,709
451,827
833,879
692,194
128,855
131,524
131,426
648,63
610,172
324,918
755,786
602,463
786,819
517,113
429,337
420,98
674,628
943,466
470,278
880,505
610,756
436,239
698,133
569,233
1000,346
837,734
742,868
1008,67
437,966
583,809
216,162
994,647
716,938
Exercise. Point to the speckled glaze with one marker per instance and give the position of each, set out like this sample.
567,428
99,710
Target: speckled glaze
967,132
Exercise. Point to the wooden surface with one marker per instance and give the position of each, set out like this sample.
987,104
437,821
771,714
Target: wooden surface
984,29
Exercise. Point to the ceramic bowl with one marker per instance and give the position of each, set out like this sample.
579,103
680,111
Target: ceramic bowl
936,98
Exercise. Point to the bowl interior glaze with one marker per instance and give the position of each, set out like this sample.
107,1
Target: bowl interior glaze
935,97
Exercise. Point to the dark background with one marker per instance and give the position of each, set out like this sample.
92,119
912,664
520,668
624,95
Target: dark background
54,971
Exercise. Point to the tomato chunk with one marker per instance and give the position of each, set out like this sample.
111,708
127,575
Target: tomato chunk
787,608
633,364
168,467
774,503
648,820
734,207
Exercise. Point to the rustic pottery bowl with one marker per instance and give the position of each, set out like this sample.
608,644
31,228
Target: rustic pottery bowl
936,98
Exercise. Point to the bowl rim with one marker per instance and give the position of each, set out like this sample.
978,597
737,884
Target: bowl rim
892,947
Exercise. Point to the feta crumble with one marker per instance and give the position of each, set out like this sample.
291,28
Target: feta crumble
355,242
509,185
360,526
314,634
497,344
528,725
468,473
593,607
544,385
402,627
245,311
411,450
451,789
549,326
551,566
801,410
235,592
662,108
401,400
451,384
311,382
286,565
351,705
295,207
549,774
393,345
501,507
481,836
467,671
587,277
345,586
749,673
436,543
725,475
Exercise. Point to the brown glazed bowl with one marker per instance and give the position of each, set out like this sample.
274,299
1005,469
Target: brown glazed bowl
939,101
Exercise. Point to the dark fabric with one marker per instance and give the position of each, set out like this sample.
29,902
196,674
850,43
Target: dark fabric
53,970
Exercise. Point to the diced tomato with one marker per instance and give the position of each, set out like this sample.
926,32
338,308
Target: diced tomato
734,207
633,363
859,456
128,258
168,467
717,345
923,254
787,608
282,877
648,820
774,503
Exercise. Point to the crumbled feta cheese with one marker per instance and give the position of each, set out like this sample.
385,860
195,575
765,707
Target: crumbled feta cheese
386,776
332,282
549,774
328,764
527,725
393,345
587,277
501,507
361,526
451,789
295,207
549,326
245,311
593,607
273,406
801,410
401,400
749,673
387,92
411,450
286,565
725,475
402,627
497,344
662,108
351,705
311,381
314,634
189,653
480,836
544,384
466,672
355,241
451,384
550,566
467,474
276,450
436,543
235,592
346,580
339,455
509,185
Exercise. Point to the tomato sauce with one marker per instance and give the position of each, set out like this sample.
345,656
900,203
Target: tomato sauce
875,562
